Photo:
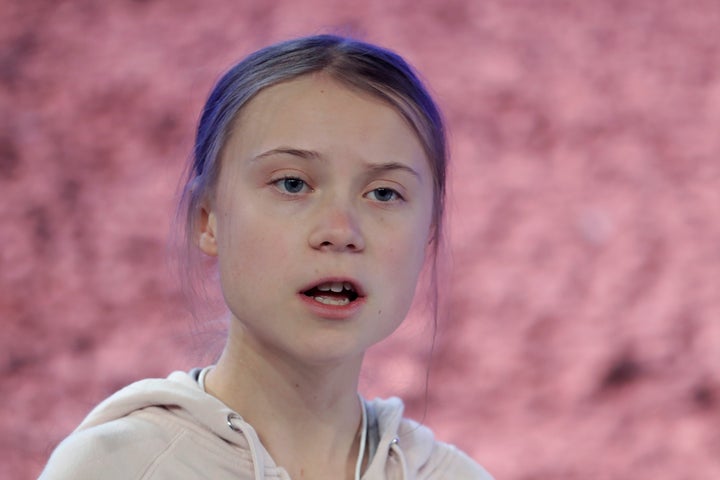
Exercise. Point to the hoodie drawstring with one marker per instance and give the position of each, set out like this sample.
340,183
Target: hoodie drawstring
237,424
397,451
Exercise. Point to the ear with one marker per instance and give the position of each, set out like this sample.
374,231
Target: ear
207,231
432,235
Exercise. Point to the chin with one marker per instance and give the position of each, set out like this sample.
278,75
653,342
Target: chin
330,352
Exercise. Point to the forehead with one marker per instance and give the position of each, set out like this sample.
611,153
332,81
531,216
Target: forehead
318,112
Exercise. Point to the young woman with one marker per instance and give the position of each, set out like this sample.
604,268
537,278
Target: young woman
317,184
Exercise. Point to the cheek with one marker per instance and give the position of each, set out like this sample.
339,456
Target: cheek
250,246
405,256
403,268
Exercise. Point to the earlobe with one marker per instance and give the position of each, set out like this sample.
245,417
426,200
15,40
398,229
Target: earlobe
207,239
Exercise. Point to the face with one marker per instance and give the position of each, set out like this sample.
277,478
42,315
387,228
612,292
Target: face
320,220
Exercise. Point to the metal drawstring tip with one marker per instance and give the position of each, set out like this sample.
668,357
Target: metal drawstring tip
232,416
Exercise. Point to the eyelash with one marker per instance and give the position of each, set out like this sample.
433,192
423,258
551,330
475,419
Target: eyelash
281,185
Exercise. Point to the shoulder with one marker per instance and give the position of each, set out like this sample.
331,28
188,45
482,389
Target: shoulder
152,429
433,459
448,462
123,448
420,454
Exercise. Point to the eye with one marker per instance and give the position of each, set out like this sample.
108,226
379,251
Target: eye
291,185
384,194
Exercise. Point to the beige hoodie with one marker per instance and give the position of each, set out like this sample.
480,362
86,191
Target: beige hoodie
171,429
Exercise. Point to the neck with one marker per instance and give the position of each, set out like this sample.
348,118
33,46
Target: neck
306,415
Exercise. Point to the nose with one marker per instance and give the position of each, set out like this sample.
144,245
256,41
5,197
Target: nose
337,229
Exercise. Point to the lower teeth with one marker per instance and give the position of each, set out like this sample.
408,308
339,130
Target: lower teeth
332,301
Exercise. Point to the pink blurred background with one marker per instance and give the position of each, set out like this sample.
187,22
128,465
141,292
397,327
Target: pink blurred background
582,338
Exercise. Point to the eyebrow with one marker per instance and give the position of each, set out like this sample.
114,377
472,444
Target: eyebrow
390,166
295,152
313,155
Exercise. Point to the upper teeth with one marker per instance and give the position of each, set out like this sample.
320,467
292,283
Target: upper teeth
336,287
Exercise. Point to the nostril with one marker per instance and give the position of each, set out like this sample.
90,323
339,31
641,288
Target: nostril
327,243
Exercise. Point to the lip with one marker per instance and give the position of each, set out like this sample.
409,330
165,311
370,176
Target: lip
333,312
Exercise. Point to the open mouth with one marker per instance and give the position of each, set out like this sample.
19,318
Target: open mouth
333,293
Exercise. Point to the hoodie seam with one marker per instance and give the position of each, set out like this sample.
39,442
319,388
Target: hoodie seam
155,462
205,437
444,460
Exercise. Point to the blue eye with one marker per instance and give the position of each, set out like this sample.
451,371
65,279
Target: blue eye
383,194
291,185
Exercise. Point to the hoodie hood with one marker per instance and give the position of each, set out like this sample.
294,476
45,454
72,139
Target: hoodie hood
402,449
181,394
